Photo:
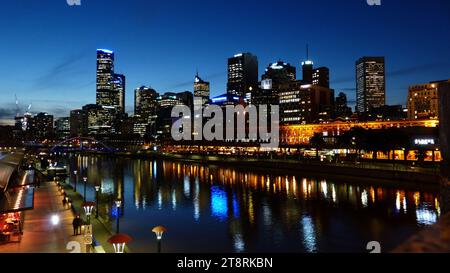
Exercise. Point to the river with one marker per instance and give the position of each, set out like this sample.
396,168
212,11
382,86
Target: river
224,209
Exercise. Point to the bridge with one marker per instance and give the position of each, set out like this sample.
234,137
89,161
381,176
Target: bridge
81,144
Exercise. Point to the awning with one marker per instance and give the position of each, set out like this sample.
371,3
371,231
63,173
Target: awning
18,199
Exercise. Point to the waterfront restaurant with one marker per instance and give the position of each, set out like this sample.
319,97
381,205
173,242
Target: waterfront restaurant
16,196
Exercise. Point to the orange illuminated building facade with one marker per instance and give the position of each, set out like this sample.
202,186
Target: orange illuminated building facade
301,134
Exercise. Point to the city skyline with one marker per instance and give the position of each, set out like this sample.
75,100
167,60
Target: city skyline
51,86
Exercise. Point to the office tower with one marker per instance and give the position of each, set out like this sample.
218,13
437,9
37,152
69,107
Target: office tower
78,123
62,128
42,126
185,98
201,89
119,87
307,69
145,102
280,72
370,83
105,75
423,100
168,99
99,119
146,109
321,77
341,108
275,74
242,74
304,103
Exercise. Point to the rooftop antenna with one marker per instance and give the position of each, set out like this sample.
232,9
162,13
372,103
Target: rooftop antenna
307,52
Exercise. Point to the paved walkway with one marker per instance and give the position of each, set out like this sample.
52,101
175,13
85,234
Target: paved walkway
40,235
102,230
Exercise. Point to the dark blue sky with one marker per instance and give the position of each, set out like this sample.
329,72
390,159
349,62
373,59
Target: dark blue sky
47,50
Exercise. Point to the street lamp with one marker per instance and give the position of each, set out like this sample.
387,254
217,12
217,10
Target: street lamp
84,195
118,205
119,241
97,189
159,231
76,178
88,207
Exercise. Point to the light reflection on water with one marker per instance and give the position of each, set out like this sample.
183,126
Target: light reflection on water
221,209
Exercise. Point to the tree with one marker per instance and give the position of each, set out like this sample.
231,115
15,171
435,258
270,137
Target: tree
317,142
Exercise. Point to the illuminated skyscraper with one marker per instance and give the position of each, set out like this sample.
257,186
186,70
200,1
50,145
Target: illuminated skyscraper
201,89
118,86
321,77
145,103
105,75
110,86
370,83
242,74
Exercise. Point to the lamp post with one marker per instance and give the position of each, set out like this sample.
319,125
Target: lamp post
84,195
159,231
88,207
76,178
118,205
97,189
119,241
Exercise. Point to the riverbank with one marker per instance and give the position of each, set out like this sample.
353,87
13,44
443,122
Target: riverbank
370,172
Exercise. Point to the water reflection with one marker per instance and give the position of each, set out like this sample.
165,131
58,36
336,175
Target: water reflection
225,209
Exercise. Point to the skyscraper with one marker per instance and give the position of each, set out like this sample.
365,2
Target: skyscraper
62,127
370,83
307,70
201,89
145,103
341,108
105,75
110,86
275,74
118,86
242,74
321,77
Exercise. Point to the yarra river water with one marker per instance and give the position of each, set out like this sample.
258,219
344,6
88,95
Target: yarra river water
224,209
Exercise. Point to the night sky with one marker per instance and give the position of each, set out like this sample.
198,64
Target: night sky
48,49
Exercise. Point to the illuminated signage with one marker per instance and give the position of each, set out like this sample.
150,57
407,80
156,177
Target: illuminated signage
424,141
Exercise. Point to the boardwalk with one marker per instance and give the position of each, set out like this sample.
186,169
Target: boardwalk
40,234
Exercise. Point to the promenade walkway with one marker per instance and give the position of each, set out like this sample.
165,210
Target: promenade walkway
40,234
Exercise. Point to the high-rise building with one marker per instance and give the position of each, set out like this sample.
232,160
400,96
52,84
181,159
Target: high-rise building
423,100
275,74
201,89
78,123
321,77
146,109
119,87
280,72
105,76
42,127
99,119
242,74
370,83
307,70
62,127
168,99
145,102
341,108
110,86
304,103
